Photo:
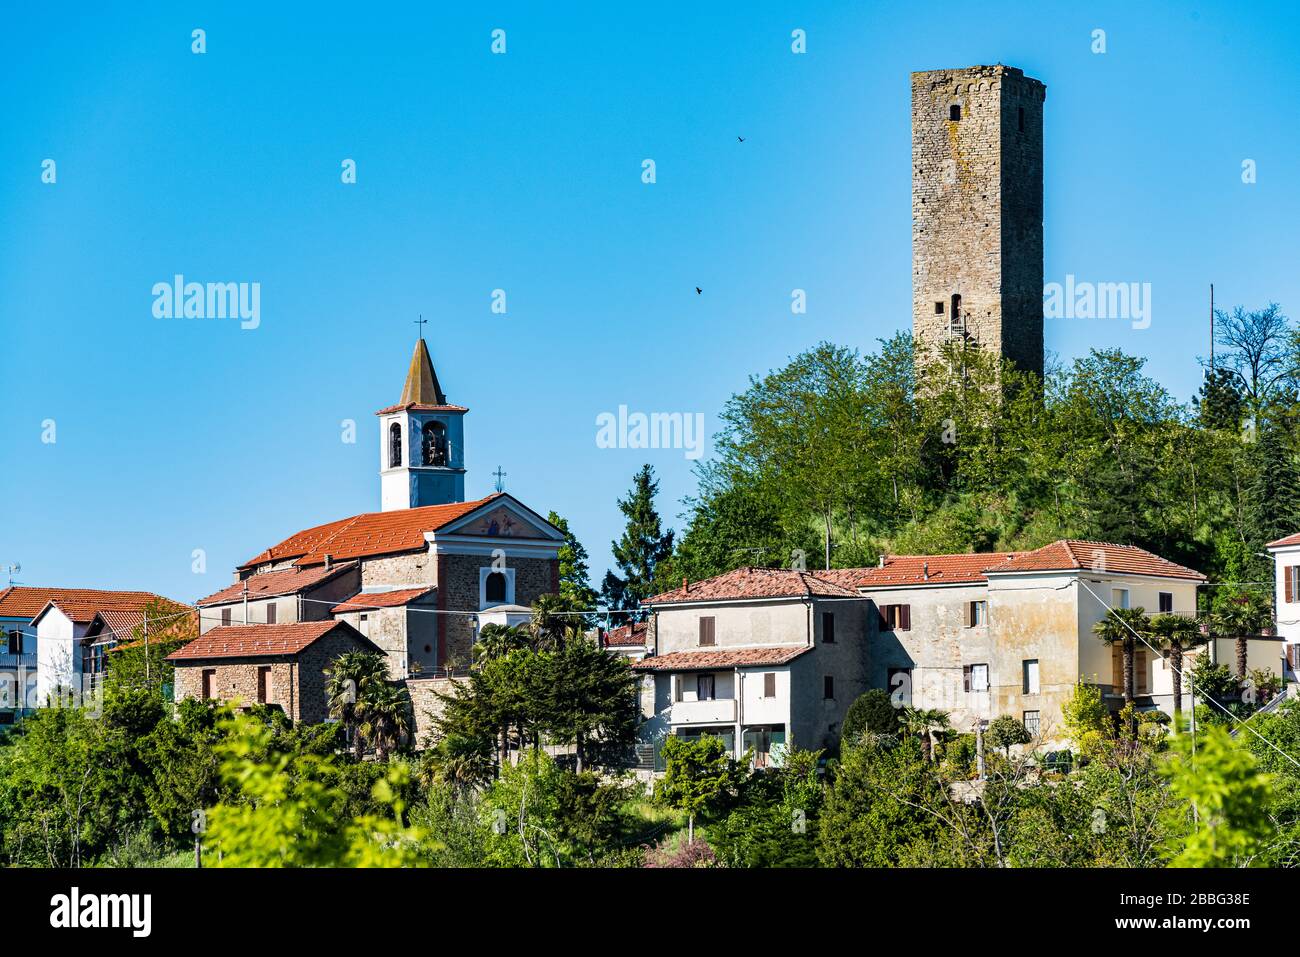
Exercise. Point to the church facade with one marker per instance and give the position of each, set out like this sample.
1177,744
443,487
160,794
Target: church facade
419,577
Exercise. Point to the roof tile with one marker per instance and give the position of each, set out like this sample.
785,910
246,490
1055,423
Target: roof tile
259,641
729,658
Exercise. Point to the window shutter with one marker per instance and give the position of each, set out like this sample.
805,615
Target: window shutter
1289,576
884,619
966,676
706,631
970,616
905,617
769,684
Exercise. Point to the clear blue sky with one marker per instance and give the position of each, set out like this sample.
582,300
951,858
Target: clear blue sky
522,172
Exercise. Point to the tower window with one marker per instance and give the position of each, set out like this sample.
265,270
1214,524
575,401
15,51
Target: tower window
954,112
1020,117
394,445
938,308
434,444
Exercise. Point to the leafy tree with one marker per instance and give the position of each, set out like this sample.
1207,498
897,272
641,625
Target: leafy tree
383,716
1005,732
591,703
776,823
1224,785
643,547
1242,617
1258,352
575,576
286,812
1123,626
872,711
347,679
700,777
1087,719
925,723
1220,403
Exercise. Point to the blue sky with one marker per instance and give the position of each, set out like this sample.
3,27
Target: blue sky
522,172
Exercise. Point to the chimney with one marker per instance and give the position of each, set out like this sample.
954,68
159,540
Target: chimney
686,585
329,561
882,561
925,571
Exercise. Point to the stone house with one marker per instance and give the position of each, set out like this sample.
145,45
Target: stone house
768,657
281,665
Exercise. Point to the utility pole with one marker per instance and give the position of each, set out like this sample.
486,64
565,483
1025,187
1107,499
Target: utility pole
1211,327
246,601
979,747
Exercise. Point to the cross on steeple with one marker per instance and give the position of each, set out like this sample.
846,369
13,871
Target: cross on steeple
420,323
501,484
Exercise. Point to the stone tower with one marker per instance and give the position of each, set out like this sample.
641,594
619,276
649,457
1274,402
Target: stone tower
977,210
421,442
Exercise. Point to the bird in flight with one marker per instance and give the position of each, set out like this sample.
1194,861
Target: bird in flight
741,138
698,290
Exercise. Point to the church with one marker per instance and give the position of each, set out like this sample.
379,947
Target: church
417,578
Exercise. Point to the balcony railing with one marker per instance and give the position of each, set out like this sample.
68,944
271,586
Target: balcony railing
709,711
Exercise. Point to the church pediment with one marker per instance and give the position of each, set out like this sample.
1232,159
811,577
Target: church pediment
503,519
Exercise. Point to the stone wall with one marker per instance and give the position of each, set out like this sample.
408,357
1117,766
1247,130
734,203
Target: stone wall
425,703
458,590
977,209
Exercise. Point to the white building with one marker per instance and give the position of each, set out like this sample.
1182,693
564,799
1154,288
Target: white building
1286,584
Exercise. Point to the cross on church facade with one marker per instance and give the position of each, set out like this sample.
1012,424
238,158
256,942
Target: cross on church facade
501,485
420,324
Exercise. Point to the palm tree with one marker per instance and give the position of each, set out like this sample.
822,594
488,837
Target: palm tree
1174,635
1243,618
347,679
497,641
1123,626
925,722
384,715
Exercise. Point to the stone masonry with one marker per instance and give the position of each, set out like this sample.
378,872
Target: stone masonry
977,210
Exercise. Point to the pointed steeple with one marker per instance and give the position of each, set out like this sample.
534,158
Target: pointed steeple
421,381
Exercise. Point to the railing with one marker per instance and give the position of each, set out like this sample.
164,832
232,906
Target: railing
709,711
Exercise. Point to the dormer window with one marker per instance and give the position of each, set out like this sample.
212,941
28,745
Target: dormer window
395,445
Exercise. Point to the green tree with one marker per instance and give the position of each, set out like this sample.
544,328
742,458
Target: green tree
642,548
1124,627
1005,732
1174,635
383,715
700,777
575,576
873,712
346,681
925,723
1230,795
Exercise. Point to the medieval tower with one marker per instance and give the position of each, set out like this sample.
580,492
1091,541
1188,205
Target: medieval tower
977,211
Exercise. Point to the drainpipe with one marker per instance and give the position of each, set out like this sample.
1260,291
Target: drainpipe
740,712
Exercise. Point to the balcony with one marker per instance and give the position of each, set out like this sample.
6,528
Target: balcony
710,711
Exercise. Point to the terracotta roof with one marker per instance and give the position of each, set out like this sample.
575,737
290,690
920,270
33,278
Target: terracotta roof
20,601
1281,542
754,583
287,581
731,658
382,599
259,641
626,636
932,569
1072,554
371,533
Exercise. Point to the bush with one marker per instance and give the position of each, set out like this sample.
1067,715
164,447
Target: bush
680,853
872,711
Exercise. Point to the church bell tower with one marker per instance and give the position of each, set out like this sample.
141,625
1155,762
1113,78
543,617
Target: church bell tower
421,442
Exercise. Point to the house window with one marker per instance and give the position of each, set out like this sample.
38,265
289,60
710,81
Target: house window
975,677
1166,602
954,112
1119,597
707,636
15,637
208,676
828,628
494,589
900,685
395,445
1029,676
895,617
977,613
704,687
433,449
938,308
1031,723
828,687
225,616
1291,576
271,613
263,684
769,684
